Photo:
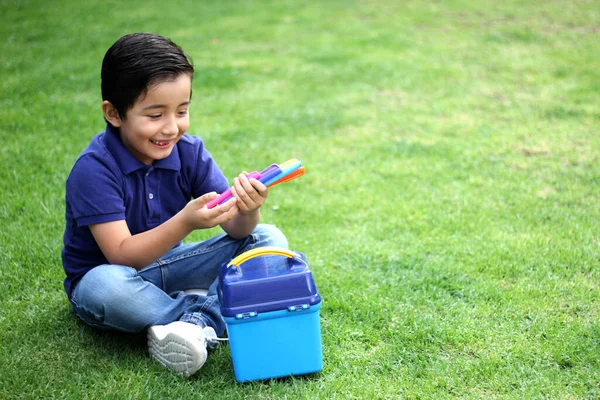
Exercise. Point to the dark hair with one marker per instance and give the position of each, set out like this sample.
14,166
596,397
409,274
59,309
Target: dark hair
136,62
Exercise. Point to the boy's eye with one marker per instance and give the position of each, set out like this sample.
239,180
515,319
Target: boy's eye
183,112
154,116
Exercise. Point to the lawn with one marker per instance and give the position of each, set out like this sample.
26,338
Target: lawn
449,211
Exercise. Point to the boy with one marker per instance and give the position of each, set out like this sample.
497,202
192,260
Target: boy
128,210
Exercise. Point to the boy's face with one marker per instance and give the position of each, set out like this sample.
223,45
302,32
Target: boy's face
155,123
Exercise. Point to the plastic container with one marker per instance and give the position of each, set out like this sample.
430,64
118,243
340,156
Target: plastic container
270,304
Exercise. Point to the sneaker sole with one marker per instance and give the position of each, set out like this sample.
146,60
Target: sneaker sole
181,354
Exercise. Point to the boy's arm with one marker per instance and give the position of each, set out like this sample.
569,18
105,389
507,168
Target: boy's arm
241,225
137,251
250,195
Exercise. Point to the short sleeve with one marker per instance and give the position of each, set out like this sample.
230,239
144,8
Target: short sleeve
95,192
207,176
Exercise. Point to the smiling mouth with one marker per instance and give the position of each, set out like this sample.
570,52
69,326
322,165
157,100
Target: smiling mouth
161,143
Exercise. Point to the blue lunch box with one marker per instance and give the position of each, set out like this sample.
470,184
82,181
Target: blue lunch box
270,304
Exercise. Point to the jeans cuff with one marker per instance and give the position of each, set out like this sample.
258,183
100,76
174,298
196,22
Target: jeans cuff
196,319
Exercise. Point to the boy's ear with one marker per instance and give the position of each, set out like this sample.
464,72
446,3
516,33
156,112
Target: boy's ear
111,114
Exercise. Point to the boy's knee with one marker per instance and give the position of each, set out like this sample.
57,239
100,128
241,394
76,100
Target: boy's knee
104,284
104,299
269,235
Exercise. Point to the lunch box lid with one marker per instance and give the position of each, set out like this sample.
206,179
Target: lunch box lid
266,279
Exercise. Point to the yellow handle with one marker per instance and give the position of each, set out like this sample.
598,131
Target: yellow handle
261,251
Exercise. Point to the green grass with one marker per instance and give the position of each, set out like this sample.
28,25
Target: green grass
449,211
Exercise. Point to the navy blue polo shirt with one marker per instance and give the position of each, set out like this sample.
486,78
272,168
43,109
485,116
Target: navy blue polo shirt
107,183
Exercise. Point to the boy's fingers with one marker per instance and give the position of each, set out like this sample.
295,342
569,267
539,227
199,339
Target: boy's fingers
205,198
231,212
259,187
243,182
221,213
253,187
239,189
227,214
256,190
225,207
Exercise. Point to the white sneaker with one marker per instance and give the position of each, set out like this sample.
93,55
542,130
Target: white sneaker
180,346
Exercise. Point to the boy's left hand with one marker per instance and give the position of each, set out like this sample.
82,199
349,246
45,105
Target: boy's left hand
250,193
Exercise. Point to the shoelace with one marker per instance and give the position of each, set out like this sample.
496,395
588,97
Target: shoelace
213,342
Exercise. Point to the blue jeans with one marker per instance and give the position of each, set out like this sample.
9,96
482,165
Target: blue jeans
117,297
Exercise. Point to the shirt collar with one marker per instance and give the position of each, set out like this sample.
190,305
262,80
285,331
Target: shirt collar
127,161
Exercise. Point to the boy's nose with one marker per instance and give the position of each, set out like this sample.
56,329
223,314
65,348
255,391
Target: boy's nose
171,128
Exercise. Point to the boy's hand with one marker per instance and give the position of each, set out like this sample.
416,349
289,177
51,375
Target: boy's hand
249,193
197,216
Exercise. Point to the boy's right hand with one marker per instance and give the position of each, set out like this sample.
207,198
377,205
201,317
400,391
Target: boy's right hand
198,216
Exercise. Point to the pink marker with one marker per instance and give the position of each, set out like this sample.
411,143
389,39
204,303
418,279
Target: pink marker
226,195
